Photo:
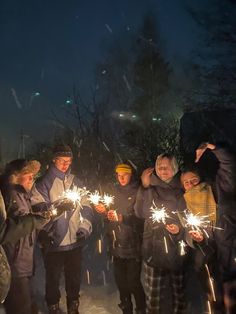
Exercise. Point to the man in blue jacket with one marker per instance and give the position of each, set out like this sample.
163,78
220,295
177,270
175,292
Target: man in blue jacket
64,237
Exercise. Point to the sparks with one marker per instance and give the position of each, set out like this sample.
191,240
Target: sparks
108,200
196,221
95,198
75,195
158,214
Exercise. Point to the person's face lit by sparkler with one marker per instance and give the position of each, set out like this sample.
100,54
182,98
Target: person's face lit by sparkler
189,179
26,180
124,178
62,163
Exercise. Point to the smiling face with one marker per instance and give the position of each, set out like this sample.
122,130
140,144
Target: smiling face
26,180
62,163
164,169
123,178
189,180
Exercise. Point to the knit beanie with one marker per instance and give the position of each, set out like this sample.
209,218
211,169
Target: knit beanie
123,168
62,151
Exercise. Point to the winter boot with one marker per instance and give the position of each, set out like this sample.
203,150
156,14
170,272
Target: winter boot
126,307
73,307
54,309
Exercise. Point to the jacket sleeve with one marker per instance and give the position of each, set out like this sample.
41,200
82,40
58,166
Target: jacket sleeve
40,197
225,178
15,228
143,202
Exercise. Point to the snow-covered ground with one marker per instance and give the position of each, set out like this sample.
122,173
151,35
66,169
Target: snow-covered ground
102,298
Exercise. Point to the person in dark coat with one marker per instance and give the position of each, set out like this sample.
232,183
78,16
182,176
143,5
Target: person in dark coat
163,240
18,181
125,234
224,237
62,240
11,230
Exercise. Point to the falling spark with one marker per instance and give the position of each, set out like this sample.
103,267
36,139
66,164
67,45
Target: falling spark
182,247
95,198
108,200
88,277
132,164
108,28
104,278
100,246
114,235
166,247
19,105
211,283
105,145
158,214
126,83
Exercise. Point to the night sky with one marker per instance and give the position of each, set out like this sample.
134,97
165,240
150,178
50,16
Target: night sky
47,46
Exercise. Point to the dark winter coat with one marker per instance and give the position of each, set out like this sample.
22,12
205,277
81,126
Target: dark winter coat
156,239
226,217
125,237
62,234
11,230
20,254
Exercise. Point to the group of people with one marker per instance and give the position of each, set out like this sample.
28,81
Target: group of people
151,256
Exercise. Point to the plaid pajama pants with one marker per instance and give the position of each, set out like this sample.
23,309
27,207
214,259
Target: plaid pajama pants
154,283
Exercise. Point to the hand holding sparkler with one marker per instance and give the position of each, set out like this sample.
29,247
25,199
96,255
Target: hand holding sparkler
113,216
196,235
172,228
100,208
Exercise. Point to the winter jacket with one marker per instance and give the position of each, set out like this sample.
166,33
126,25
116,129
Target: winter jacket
226,217
11,230
125,237
160,248
20,254
70,229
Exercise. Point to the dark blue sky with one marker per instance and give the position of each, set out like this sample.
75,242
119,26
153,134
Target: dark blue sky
49,45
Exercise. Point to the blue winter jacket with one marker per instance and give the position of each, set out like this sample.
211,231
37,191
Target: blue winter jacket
70,229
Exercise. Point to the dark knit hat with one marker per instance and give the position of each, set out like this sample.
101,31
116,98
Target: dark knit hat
62,151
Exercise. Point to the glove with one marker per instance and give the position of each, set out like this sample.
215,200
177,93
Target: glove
61,207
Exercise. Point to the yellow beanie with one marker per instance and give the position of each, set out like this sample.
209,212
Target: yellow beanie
123,168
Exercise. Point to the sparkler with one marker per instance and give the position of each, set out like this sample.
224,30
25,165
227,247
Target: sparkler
108,200
197,222
95,198
158,214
